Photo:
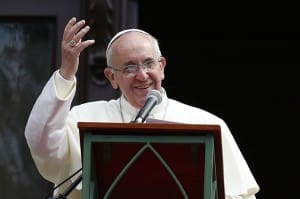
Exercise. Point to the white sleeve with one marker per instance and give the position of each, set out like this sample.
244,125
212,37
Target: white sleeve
47,134
239,181
63,87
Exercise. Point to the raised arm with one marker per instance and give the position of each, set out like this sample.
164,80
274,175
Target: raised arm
53,143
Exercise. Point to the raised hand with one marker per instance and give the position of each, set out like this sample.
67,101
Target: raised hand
71,47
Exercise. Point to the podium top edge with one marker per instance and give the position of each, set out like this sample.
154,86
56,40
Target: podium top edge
159,126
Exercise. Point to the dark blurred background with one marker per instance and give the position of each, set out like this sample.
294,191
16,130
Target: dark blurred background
237,60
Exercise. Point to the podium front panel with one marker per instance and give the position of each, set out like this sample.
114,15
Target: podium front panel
131,165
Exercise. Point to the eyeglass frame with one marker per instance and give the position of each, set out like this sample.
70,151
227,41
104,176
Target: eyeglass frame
135,66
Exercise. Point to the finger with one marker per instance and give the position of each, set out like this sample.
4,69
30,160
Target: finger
69,25
73,30
78,37
85,44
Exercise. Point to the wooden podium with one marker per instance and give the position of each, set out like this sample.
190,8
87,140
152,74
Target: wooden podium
153,160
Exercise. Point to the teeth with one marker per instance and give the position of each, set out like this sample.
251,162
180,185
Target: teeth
143,87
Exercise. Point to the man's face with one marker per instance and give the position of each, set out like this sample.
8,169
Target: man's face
136,49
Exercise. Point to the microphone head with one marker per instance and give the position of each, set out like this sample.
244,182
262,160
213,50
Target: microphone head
155,94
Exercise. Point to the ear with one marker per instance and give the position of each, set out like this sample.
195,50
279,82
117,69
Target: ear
110,75
163,63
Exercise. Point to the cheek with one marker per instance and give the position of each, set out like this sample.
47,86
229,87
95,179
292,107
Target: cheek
118,81
123,83
158,76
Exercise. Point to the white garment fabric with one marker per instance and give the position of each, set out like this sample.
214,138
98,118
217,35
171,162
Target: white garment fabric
53,137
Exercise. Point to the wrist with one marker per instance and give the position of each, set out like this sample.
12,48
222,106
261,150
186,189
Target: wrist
66,75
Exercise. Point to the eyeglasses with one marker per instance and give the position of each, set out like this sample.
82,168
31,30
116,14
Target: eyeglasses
147,66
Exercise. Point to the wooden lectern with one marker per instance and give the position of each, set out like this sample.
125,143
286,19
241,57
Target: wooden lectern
152,160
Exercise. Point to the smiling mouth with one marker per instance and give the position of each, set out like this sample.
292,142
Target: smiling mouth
143,86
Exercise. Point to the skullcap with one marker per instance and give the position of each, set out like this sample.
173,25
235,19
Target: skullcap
119,34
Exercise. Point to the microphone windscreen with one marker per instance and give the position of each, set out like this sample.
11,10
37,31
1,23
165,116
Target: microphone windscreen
156,94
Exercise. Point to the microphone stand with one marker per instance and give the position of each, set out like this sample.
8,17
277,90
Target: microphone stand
69,189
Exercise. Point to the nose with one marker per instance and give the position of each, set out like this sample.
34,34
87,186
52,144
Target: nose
141,74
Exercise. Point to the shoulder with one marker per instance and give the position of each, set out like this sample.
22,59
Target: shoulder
191,114
95,109
96,104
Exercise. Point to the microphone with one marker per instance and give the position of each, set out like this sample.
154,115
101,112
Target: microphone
153,98
69,188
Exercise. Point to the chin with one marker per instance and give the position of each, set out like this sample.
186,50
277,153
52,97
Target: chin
141,102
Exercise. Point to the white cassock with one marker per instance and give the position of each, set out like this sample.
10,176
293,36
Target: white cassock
53,137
